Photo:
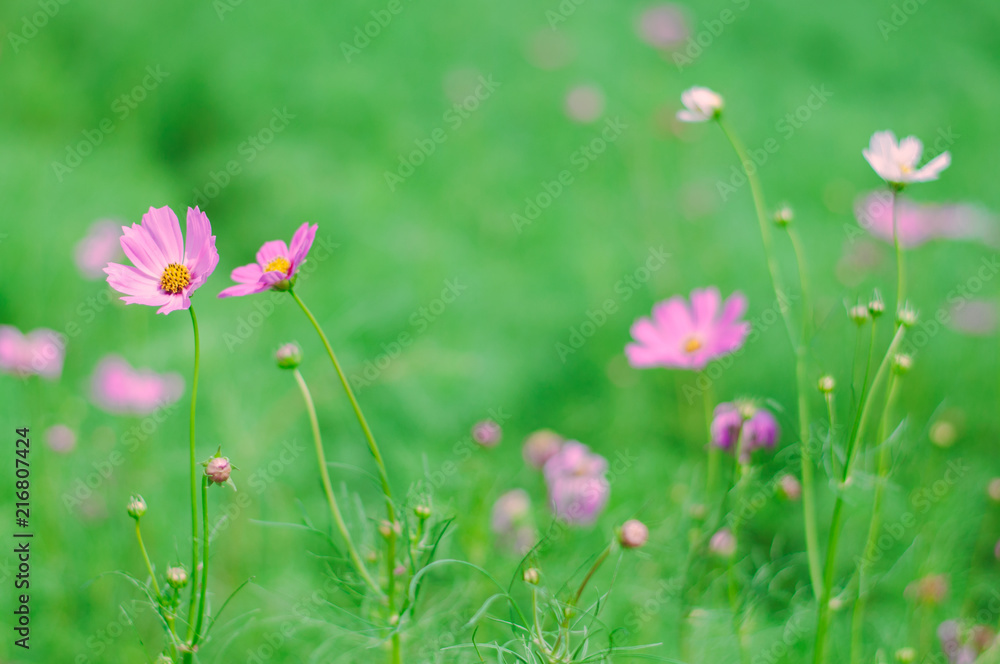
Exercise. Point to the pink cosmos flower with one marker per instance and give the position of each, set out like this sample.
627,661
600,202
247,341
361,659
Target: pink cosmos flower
276,264
98,248
578,487
118,388
38,353
896,163
167,271
918,223
689,337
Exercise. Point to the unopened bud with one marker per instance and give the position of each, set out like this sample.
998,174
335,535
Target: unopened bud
877,306
177,577
218,470
422,511
531,576
289,356
487,433
902,363
906,655
136,506
859,314
783,215
790,487
723,543
634,534
907,317
826,384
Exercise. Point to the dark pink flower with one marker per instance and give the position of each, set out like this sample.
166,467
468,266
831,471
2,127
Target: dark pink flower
689,336
276,266
727,422
98,248
38,353
167,270
761,431
118,388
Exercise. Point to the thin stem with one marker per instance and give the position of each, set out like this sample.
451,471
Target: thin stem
149,566
884,459
734,596
568,611
194,483
808,472
800,261
900,282
331,498
204,561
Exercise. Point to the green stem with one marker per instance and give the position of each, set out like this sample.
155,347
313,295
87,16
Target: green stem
568,611
204,562
734,596
331,498
900,282
884,458
194,485
163,611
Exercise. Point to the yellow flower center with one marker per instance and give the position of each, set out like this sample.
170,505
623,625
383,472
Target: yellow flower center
175,278
279,264
692,344
904,168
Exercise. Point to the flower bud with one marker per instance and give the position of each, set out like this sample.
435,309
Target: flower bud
487,433
218,469
634,534
902,363
907,317
859,314
789,487
826,384
422,511
723,543
288,356
136,506
876,307
385,529
531,576
177,577
783,215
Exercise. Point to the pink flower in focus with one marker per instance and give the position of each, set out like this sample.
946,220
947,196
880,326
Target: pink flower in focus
98,248
689,337
167,271
663,26
276,265
118,388
578,487
896,163
918,223
39,353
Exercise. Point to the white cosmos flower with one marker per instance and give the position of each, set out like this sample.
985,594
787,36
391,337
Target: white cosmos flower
897,163
701,105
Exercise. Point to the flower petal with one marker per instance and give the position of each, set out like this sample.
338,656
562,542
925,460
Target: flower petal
198,231
271,250
302,242
131,281
909,151
247,274
933,168
174,303
705,305
244,289
142,251
673,318
162,226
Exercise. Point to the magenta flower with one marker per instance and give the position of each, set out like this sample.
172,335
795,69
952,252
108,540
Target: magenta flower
38,353
689,337
98,248
761,431
118,388
167,271
577,483
276,265
727,422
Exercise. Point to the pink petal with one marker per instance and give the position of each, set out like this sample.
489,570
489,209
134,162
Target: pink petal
244,289
198,231
705,304
909,151
643,330
271,250
163,228
204,264
302,242
247,274
734,308
933,168
673,319
131,281
175,302
142,251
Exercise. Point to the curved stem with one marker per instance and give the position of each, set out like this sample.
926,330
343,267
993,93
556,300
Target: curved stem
204,562
194,483
884,459
331,498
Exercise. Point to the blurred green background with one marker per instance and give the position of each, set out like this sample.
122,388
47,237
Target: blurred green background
227,67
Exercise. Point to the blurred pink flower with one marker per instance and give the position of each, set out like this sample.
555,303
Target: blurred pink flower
60,438
663,26
167,271
541,446
918,223
974,317
38,353
761,431
585,103
727,422
689,337
487,433
577,483
700,105
276,264
122,390
512,523
97,248
896,163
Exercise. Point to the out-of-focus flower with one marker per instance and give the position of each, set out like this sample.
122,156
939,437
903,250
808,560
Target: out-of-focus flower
585,103
896,163
700,105
60,438
790,487
167,271
288,356
512,523
906,655
487,433
177,577
783,215
541,446
687,336
931,589
859,314
276,267
962,644
902,363
826,384
97,248
977,318
663,26
634,534
38,353
577,483
531,575
727,422
917,223
118,388
723,543
760,432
